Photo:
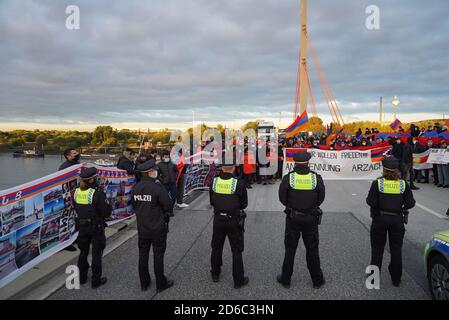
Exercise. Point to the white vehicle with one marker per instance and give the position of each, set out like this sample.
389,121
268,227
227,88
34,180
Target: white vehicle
266,129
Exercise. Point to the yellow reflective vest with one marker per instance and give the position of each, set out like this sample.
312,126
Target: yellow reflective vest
303,181
84,196
391,186
223,186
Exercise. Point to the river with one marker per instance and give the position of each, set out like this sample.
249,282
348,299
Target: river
15,171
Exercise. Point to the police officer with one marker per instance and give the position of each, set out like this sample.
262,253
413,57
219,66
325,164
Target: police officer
389,199
152,205
92,209
302,192
228,197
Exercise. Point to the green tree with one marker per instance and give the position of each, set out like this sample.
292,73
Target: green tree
316,124
41,140
250,125
102,133
16,142
110,142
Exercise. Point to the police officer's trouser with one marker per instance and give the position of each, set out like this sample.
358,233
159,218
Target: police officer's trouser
393,226
97,239
307,226
226,227
159,245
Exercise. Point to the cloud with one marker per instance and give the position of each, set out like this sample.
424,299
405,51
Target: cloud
156,61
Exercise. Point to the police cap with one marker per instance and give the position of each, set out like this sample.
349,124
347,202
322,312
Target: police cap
390,163
302,157
88,173
147,166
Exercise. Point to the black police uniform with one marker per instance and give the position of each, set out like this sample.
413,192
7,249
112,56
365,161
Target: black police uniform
388,219
151,204
303,214
228,223
92,209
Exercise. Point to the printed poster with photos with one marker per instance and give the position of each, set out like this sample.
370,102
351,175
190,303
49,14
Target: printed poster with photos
199,177
37,219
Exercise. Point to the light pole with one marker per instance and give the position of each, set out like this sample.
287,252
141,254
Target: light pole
395,103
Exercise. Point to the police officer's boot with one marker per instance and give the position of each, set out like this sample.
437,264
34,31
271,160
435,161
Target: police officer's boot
284,284
168,285
145,287
244,283
99,283
319,284
215,277
396,283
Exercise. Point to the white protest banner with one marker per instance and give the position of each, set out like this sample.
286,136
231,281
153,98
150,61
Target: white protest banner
438,156
341,165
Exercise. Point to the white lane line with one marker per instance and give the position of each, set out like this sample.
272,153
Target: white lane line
430,211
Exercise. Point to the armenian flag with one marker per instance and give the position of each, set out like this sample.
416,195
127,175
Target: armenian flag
395,124
290,153
300,124
378,154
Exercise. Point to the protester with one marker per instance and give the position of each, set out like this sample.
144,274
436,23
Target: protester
72,158
168,175
126,161
443,170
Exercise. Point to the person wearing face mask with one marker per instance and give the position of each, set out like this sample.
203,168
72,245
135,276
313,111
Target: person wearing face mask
443,170
302,191
92,210
168,176
389,198
126,161
228,197
152,205
407,162
72,158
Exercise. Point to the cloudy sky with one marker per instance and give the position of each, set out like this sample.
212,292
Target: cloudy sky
148,63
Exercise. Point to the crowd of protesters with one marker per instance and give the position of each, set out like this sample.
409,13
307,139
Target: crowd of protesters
168,172
403,145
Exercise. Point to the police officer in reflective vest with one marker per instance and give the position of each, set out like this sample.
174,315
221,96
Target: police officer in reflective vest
92,209
152,206
228,197
389,199
302,192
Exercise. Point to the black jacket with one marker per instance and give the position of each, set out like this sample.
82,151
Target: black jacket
125,164
168,172
151,205
390,202
397,149
229,203
407,153
301,199
67,164
99,208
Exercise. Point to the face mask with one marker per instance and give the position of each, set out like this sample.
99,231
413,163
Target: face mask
166,160
94,184
77,158
414,142
398,141
364,144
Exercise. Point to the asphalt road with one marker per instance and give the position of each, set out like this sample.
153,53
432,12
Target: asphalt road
344,250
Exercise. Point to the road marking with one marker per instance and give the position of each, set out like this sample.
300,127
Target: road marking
430,211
